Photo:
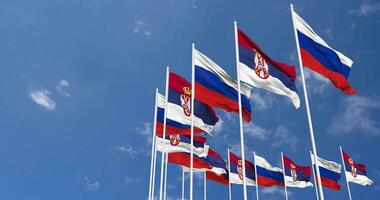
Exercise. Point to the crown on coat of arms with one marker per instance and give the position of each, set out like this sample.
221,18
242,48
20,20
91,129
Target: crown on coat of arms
187,90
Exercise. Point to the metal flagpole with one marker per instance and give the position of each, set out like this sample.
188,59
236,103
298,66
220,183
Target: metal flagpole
204,186
283,171
151,184
166,175
164,131
192,120
257,178
154,167
183,184
314,148
229,173
344,167
240,111
315,179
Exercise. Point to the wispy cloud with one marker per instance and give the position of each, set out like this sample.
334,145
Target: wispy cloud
194,4
315,82
262,100
356,116
41,97
62,85
275,191
145,129
91,185
130,180
283,137
256,131
141,27
366,8
127,149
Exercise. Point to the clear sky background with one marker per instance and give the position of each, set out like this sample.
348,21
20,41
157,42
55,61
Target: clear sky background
77,82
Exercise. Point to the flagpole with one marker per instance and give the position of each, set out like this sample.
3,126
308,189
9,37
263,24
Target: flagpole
315,178
204,186
164,131
154,165
257,178
240,111
183,184
166,174
314,148
192,119
229,173
283,171
154,168
344,167
151,184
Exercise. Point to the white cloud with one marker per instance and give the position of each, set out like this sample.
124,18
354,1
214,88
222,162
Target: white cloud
145,130
366,8
316,83
127,149
41,97
129,180
255,131
283,137
329,33
194,4
279,191
262,100
356,116
91,185
62,84
218,127
141,27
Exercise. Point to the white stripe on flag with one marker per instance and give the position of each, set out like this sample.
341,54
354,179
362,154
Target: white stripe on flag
330,165
359,179
306,29
181,147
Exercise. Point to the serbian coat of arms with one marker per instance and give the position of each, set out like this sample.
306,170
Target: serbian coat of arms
186,100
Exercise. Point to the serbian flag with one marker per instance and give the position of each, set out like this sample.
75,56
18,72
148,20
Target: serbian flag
236,171
259,70
213,162
174,124
179,110
219,172
355,172
182,143
267,175
329,171
213,86
183,159
222,179
317,55
295,175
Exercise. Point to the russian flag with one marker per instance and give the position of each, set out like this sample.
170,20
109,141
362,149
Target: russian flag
173,122
329,171
317,55
295,175
355,172
259,70
236,171
182,143
217,89
267,175
179,107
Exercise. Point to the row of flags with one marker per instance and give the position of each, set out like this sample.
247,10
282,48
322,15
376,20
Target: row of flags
289,175
190,106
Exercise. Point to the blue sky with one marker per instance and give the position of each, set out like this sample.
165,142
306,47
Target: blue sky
78,78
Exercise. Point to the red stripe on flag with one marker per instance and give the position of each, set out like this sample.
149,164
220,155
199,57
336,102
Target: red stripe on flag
336,78
215,99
